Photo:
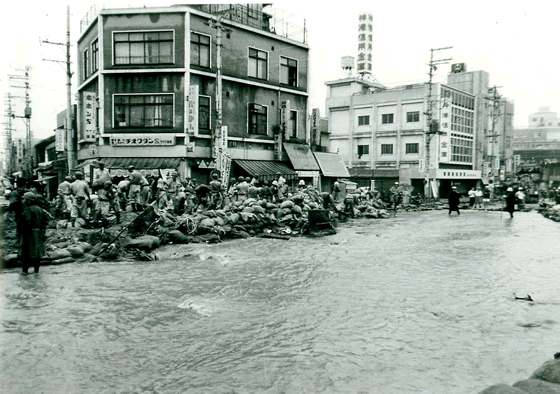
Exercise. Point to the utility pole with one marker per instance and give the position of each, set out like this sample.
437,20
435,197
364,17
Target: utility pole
495,114
70,153
27,119
432,127
217,142
8,135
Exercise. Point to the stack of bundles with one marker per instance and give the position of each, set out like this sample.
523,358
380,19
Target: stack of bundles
373,209
551,212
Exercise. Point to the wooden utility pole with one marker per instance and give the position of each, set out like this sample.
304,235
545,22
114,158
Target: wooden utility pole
432,127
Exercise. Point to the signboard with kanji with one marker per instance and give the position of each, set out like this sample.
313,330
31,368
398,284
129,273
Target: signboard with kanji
142,141
90,125
192,110
444,149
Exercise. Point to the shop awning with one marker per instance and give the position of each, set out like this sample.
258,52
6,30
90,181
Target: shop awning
147,163
386,173
93,162
332,165
266,170
301,157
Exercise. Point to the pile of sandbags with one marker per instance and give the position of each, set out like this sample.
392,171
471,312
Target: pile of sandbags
551,212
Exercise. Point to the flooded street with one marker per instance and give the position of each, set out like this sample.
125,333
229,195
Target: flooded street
420,303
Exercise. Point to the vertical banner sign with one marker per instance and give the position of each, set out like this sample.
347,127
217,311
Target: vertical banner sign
90,126
420,165
365,42
226,168
278,146
192,110
285,116
444,129
315,134
60,140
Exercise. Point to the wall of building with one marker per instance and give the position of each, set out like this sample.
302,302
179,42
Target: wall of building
85,44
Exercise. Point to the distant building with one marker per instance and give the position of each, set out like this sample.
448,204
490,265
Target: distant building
544,118
147,90
381,134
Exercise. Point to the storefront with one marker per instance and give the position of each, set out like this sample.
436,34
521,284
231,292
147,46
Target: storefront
464,180
304,163
118,166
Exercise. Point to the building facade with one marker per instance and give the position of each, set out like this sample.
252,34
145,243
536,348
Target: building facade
544,118
382,134
148,82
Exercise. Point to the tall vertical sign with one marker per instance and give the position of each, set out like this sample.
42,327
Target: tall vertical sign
90,125
192,110
315,132
60,139
365,43
445,120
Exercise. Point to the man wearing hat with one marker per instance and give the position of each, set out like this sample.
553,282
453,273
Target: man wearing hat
64,200
173,190
520,198
108,201
100,176
81,198
242,189
453,200
134,188
396,193
34,222
216,196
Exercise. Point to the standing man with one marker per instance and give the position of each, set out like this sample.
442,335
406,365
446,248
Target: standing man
81,198
135,187
217,197
510,201
478,198
108,201
486,197
396,193
242,189
65,206
472,197
336,190
100,176
520,198
32,241
454,201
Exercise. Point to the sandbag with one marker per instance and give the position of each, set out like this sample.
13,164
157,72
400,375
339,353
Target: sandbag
248,209
75,251
234,218
86,247
270,205
258,209
177,237
145,242
64,260
287,204
208,222
297,210
249,201
59,254
219,221
263,203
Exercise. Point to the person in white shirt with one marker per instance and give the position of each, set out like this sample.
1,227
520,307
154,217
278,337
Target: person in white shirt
471,197
520,198
478,198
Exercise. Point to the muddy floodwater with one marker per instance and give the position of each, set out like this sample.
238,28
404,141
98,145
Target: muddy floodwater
420,303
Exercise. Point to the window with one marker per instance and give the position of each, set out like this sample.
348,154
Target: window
413,116
293,124
154,47
258,115
363,120
143,110
253,11
200,50
86,61
386,149
204,115
363,150
411,148
258,64
387,119
288,71
94,56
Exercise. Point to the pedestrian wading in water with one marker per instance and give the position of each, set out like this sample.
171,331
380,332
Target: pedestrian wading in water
454,201
33,233
510,201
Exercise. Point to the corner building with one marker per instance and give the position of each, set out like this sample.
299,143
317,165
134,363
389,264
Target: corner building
147,90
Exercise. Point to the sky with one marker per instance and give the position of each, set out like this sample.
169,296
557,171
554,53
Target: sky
515,42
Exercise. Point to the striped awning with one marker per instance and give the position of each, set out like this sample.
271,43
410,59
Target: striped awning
266,170
147,163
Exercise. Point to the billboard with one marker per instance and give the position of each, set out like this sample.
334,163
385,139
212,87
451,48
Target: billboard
365,43
90,124
192,110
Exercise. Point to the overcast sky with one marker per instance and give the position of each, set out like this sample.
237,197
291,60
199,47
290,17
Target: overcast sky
516,42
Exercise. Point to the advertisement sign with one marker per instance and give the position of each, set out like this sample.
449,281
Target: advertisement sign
143,141
315,132
192,110
90,126
365,43
60,140
444,149
285,118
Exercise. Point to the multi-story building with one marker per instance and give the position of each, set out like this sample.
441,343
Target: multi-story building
382,134
493,153
544,118
147,90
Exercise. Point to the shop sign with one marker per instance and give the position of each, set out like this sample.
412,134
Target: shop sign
90,127
315,133
142,141
60,140
458,174
444,137
192,110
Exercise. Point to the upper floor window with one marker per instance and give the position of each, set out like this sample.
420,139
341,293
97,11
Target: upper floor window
143,110
94,56
253,10
411,148
413,116
200,50
258,64
258,119
386,149
363,120
153,47
387,118
204,115
363,150
86,63
293,124
288,71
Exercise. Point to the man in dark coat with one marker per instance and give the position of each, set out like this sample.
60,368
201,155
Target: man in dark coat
510,201
454,201
32,242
